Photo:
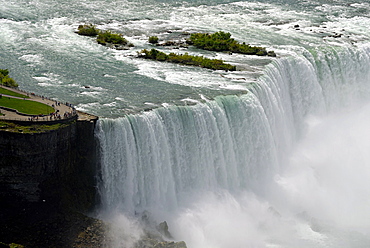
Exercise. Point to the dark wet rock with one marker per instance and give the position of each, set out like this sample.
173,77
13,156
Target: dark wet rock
119,46
163,229
271,54
174,43
336,35
95,235
156,235
152,243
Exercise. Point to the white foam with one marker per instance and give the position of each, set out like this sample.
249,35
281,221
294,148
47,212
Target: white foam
34,59
189,100
91,93
150,104
48,79
112,104
88,106
120,99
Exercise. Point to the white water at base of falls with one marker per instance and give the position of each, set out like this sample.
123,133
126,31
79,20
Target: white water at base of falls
286,165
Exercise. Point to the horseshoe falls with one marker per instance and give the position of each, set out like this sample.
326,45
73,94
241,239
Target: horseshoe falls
284,165
274,154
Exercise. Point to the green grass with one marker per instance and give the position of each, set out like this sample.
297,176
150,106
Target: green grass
11,93
26,106
34,128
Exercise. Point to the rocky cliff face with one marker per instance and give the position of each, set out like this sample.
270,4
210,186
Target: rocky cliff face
46,176
56,166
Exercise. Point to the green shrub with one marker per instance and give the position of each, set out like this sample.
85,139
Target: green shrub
88,30
10,82
104,37
221,41
153,39
214,42
186,59
109,37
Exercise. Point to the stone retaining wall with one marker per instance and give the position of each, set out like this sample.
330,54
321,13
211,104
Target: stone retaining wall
41,122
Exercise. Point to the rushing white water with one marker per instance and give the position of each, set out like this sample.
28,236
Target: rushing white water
266,169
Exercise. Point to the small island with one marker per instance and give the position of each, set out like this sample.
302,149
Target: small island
105,38
222,42
218,42
186,59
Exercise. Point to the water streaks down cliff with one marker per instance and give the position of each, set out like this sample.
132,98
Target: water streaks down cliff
231,171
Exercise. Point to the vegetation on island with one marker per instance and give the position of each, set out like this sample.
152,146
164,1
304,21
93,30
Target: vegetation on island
103,37
153,39
219,42
6,80
88,30
222,42
109,37
186,59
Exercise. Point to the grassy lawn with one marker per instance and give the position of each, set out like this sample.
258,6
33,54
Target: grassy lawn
11,93
26,106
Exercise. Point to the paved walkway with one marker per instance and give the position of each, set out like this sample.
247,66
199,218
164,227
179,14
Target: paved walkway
60,108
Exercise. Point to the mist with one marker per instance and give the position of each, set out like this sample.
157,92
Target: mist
319,199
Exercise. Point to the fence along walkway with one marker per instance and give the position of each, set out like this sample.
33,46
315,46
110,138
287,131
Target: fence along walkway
62,111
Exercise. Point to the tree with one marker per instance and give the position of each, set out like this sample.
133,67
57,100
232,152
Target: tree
10,82
4,72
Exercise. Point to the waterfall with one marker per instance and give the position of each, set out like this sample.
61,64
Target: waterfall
234,144
154,156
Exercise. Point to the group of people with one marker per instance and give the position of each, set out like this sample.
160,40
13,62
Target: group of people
56,115
52,116
36,118
69,114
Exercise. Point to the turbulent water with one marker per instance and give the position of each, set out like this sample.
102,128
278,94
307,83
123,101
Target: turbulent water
272,155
